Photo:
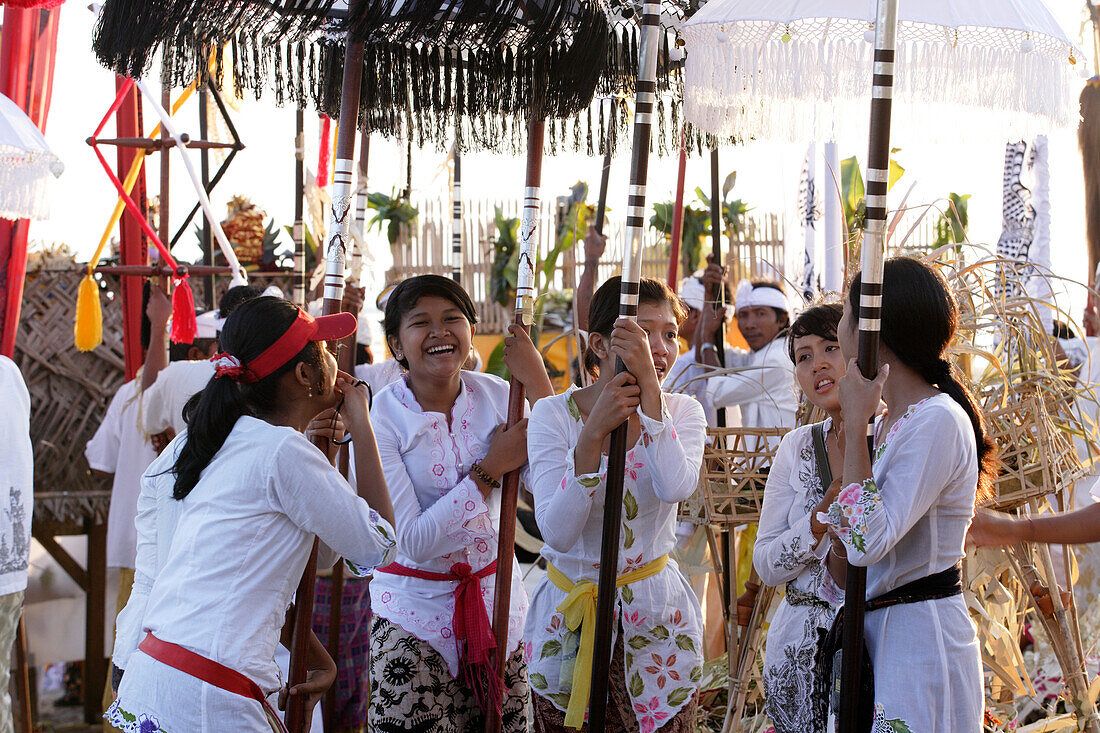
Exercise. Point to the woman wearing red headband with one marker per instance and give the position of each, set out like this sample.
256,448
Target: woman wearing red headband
212,587
444,451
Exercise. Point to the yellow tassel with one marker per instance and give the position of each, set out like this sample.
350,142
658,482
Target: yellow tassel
88,331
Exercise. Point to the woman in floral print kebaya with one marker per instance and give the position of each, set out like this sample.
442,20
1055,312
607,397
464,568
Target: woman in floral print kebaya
444,451
657,660
791,544
904,515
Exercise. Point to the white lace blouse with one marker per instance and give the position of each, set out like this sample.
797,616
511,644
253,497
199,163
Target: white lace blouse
440,515
907,522
660,615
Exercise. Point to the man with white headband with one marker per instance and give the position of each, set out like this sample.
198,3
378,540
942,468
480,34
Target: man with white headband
764,387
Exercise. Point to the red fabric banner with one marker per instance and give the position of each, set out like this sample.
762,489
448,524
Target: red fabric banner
28,49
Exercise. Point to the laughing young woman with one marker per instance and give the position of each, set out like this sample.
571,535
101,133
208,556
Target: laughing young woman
444,450
659,636
792,543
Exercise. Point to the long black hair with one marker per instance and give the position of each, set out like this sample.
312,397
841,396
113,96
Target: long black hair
211,414
603,310
405,296
919,319
820,319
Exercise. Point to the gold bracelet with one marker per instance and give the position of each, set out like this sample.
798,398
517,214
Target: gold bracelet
484,475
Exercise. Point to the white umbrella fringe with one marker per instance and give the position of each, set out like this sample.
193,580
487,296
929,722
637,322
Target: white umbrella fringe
743,78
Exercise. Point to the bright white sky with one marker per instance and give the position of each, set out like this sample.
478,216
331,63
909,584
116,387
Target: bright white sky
264,171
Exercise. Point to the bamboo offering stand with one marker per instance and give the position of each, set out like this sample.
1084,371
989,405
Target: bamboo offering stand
730,495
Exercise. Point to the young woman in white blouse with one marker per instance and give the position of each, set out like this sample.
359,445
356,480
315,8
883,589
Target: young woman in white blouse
657,658
253,493
444,450
791,544
905,515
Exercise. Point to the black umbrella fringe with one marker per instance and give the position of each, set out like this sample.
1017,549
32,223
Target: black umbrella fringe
128,32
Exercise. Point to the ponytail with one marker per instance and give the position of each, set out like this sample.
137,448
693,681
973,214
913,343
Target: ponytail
212,413
942,374
210,416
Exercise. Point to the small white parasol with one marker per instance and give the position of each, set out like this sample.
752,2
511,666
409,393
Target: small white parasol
26,164
799,70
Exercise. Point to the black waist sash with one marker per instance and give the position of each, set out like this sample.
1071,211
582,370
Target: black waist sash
944,584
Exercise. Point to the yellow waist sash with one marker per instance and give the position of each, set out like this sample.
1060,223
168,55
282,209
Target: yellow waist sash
579,609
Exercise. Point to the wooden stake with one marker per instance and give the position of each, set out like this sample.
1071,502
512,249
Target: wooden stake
299,232
339,226
870,312
524,317
607,595
678,219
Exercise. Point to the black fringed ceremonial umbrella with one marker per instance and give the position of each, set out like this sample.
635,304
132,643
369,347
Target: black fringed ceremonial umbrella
435,72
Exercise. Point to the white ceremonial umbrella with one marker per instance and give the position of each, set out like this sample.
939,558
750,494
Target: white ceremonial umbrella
798,70
26,164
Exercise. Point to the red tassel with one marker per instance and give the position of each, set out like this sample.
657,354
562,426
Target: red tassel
323,156
484,681
184,327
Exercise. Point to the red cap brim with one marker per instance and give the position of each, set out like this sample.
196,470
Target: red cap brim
335,326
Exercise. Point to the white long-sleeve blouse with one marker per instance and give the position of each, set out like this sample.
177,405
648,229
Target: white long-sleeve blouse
660,615
440,515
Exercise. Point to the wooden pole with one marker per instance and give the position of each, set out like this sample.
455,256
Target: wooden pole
361,206
601,202
607,596
456,219
524,317
678,218
870,311
299,232
339,226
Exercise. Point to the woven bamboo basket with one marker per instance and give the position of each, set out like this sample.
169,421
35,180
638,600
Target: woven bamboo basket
1037,458
731,482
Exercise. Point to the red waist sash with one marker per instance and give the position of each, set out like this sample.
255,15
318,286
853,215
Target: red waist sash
206,670
471,625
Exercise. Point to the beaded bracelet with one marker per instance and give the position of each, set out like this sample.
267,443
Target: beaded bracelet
484,476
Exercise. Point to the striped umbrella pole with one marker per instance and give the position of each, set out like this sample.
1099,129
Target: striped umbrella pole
456,220
870,308
360,240
336,250
299,194
607,595
524,317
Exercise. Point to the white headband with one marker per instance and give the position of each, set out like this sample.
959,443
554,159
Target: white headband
750,297
208,325
693,293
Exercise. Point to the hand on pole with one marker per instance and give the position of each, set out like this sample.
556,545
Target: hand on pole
356,400
320,675
159,308
859,396
328,425
525,364
507,452
594,245
630,343
617,402
353,300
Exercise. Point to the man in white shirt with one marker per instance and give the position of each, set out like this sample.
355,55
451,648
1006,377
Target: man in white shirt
17,487
764,387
